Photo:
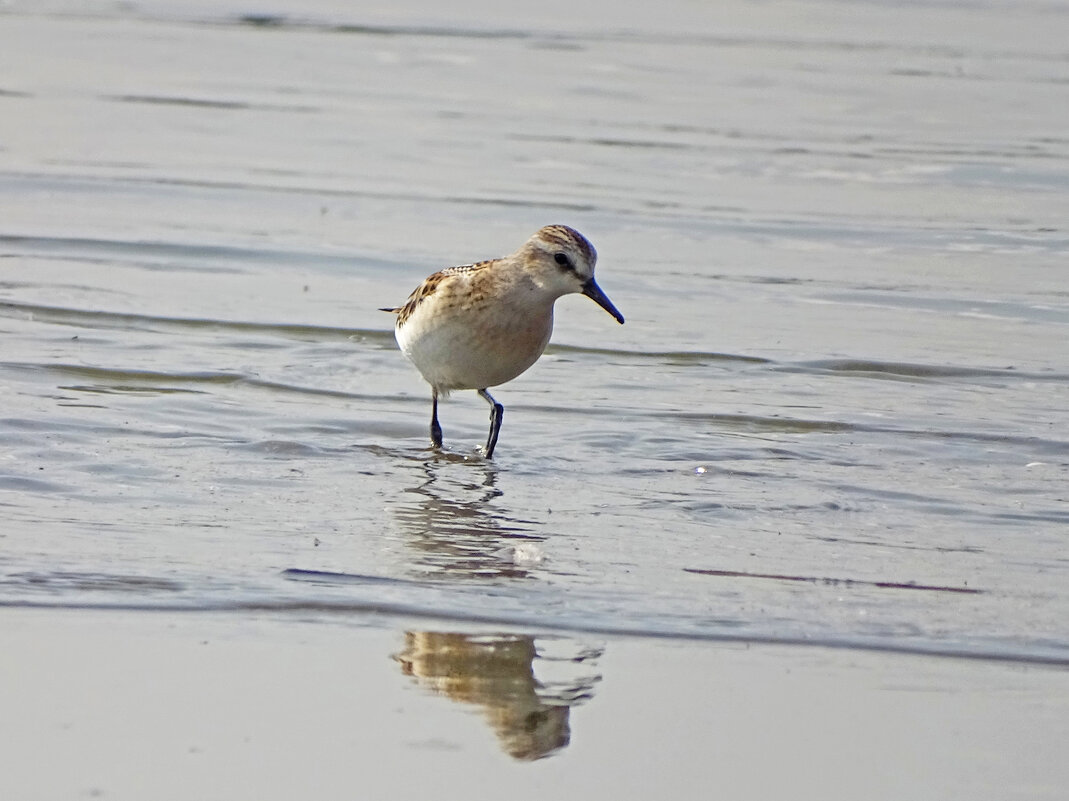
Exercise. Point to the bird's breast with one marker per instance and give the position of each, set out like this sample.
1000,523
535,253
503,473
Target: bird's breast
475,340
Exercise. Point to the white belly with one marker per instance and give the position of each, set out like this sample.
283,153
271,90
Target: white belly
472,352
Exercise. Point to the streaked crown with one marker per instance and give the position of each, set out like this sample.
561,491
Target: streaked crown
568,251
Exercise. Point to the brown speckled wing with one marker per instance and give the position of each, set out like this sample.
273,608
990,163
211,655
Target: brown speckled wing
430,285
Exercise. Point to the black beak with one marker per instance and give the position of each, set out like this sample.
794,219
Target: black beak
593,291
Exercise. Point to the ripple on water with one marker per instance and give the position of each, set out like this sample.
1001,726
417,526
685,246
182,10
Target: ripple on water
839,398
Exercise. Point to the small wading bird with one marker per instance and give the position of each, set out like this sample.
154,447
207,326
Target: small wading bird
481,325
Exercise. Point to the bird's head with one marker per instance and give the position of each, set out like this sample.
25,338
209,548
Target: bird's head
562,260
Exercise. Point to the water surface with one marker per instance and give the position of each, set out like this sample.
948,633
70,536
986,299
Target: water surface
838,413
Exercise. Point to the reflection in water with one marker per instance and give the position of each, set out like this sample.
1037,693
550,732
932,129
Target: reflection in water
455,529
497,673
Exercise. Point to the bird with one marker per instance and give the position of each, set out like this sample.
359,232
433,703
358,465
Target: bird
480,325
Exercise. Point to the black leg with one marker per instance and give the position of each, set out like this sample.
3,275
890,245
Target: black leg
497,411
436,430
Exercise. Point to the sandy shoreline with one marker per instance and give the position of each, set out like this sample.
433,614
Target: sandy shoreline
164,705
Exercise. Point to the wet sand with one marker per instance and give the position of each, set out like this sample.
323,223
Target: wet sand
123,705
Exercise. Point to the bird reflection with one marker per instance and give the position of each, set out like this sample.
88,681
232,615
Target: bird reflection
497,673
454,527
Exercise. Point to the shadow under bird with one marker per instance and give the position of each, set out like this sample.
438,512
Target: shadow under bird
480,325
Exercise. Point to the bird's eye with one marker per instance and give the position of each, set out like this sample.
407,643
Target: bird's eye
563,260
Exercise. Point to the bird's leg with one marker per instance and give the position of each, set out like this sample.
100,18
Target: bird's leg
497,411
436,430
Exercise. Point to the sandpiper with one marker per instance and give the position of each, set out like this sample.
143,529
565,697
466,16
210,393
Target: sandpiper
480,325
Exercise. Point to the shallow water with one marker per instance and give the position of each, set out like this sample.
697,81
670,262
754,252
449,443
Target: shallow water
838,412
